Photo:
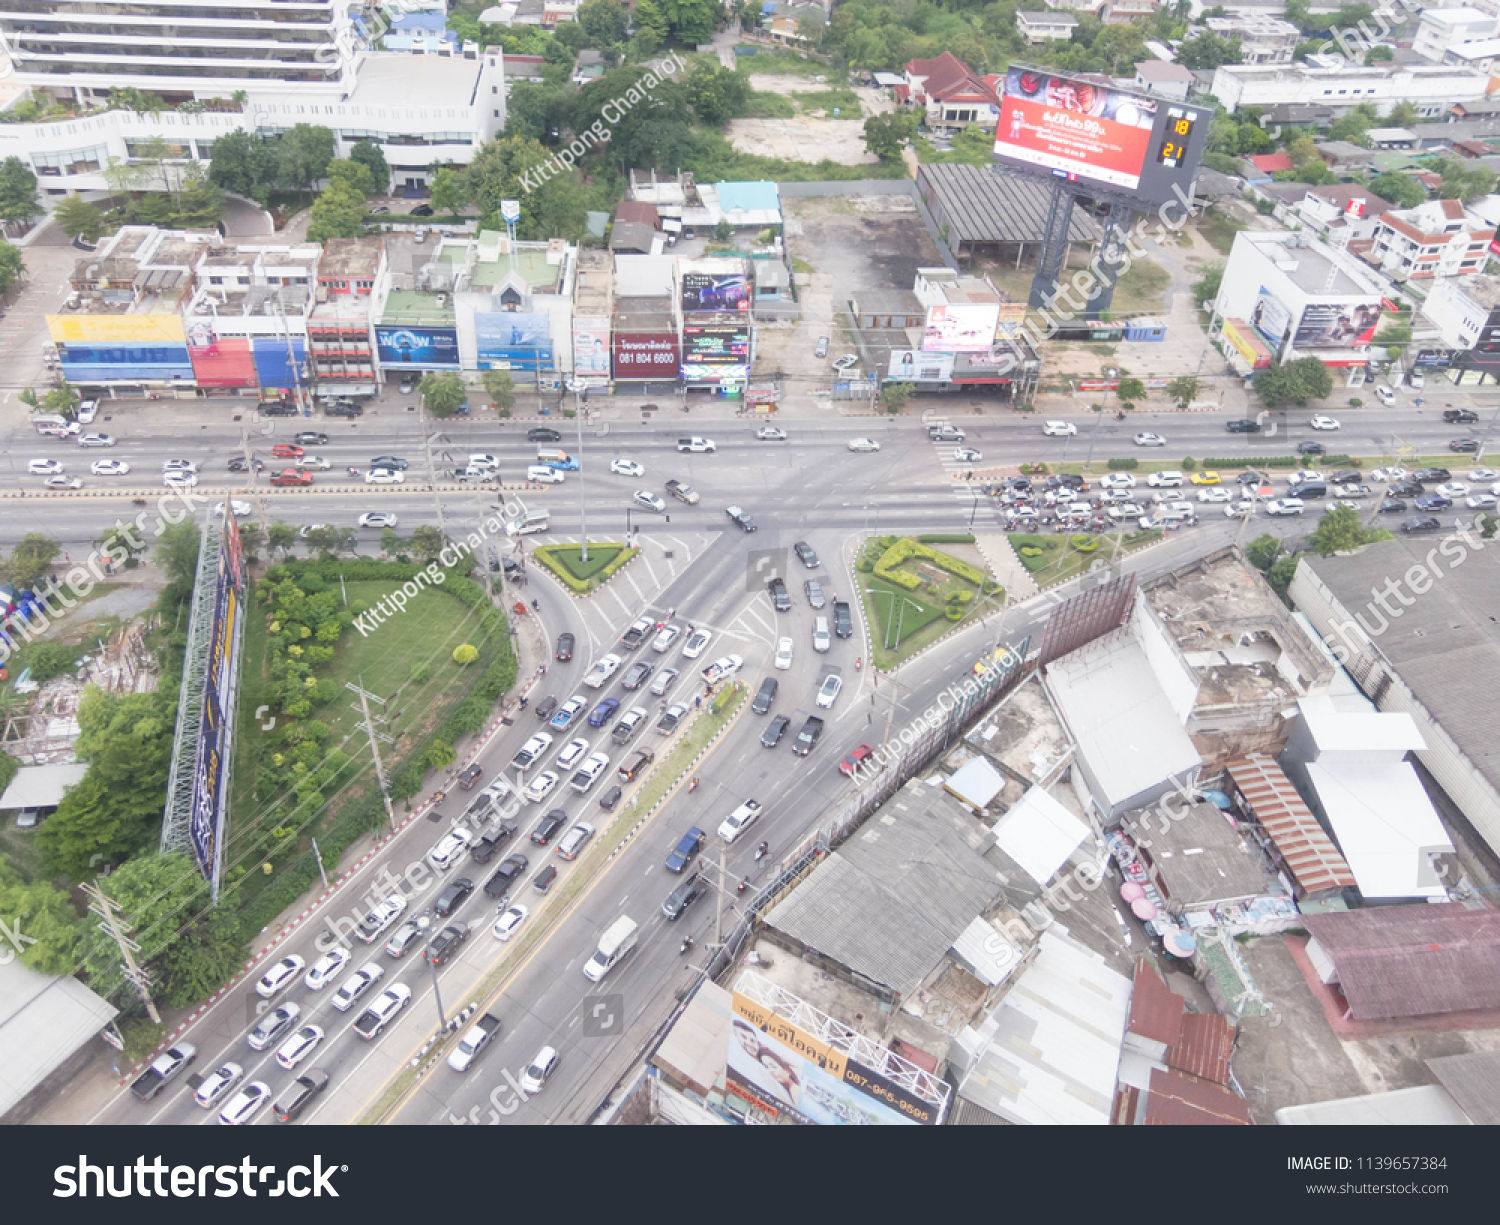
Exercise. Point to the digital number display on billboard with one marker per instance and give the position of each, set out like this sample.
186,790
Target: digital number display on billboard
646,355
1089,133
424,348
715,345
1337,325
710,291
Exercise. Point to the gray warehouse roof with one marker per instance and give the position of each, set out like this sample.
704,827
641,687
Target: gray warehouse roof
893,899
982,206
1473,1079
42,1022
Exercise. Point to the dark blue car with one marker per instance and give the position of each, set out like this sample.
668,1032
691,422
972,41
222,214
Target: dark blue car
601,713
1434,501
691,844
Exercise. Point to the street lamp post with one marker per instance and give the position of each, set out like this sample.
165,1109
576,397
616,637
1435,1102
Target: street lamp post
1110,374
426,925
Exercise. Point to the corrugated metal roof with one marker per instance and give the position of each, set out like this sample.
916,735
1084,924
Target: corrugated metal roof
1412,961
1425,1105
1309,852
1039,834
42,1022
1204,1044
1473,1079
42,786
1385,823
1155,1009
981,206
1175,1100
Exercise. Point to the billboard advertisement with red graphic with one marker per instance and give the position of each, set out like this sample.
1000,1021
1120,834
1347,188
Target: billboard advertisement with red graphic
220,361
1075,129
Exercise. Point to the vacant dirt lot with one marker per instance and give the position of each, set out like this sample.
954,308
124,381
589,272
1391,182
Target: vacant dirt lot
802,139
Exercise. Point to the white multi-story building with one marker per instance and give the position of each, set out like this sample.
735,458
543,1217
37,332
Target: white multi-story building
1439,238
1463,310
1264,39
1441,30
1431,88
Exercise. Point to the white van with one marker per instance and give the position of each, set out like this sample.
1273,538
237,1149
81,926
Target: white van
821,641
532,521
544,475
57,427
1176,512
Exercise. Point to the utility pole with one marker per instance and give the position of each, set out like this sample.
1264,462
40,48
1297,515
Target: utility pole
719,904
103,905
437,498
369,728
437,996
489,577
318,855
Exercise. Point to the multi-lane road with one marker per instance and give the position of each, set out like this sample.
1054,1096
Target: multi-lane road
808,488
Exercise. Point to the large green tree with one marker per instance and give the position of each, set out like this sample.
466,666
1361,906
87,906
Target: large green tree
442,394
1298,382
1208,50
1340,530
716,93
18,198
513,168
12,266
1399,189
303,154
243,163
606,22
535,109
691,22
79,219
29,560
886,136
368,154
338,212
46,929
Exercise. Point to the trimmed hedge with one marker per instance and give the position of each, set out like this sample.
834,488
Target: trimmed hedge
940,539
906,548
1283,461
1127,463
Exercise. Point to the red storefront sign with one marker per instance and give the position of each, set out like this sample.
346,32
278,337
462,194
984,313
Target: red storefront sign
223,363
645,355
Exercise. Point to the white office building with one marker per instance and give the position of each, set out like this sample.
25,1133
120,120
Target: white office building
1431,88
1442,30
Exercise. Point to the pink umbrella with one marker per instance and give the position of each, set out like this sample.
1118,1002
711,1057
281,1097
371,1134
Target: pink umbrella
1143,909
1131,891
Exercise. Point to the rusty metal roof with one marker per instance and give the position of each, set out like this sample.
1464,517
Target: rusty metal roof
1177,1100
1308,851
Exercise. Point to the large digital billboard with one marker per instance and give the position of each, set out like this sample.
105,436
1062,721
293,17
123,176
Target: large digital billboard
715,291
221,361
961,327
646,355
519,340
1337,325
716,344
423,348
787,1071
1085,132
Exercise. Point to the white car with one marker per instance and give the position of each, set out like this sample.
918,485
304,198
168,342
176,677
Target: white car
96,440
217,1084
315,462
603,670
1381,475
384,476
1059,429
109,467
783,653
1150,440
847,362
771,433
1164,480
1219,494
627,467
279,975
829,690
246,1104
381,916
1284,506
377,518
534,1079
665,637
571,753
484,461
1242,509
1385,394
89,409
299,1046
326,967
1452,489
649,501
531,752
179,465
1303,477
272,1025
179,480
741,819
62,482
44,467
1480,501
450,846
697,644
541,786
1118,480
1323,423
967,455
507,923
1484,476
239,509
722,668
863,444
357,984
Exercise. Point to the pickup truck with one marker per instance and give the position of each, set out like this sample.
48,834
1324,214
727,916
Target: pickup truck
473,1042
740,518
667,724
447,942
303,1090
492,840
164,1068
808,736
780,596
682,492
637,632
682,855
722,668
696,446
373,1020
843,622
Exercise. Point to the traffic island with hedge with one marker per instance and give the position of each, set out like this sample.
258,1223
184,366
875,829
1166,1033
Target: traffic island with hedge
566,563
913,593
1053,559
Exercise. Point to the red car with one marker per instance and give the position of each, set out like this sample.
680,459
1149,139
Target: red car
292,477
857,760
285,450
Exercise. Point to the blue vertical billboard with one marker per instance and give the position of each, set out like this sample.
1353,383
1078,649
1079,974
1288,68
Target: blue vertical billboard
513,340
417,348
273,363
206,828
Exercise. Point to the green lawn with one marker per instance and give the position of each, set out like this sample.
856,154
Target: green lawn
570,558
1218,230
1061,558
904,622
781,62
841,99
763,105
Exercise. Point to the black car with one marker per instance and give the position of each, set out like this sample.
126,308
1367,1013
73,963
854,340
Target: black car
1069,480
814,591
808,736
1252,478
544,878
780,596
470,777
278,408
1392,506
765,695
310,439
610,798
543,435
1422,523
1311,448
499,885
1018,484
422,210
682,897
1346,476
1243,426
447,942
344,409
294,1100
237,464
564,650
740,519
1405,489
454,896
805,554
1432,476
1434,501
548,827
1461,416
775,730
484,850
547,707
1464,446
636,675
390,462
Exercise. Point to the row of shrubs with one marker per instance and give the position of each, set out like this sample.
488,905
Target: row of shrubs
546,555
906,548
941,539
1281,461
